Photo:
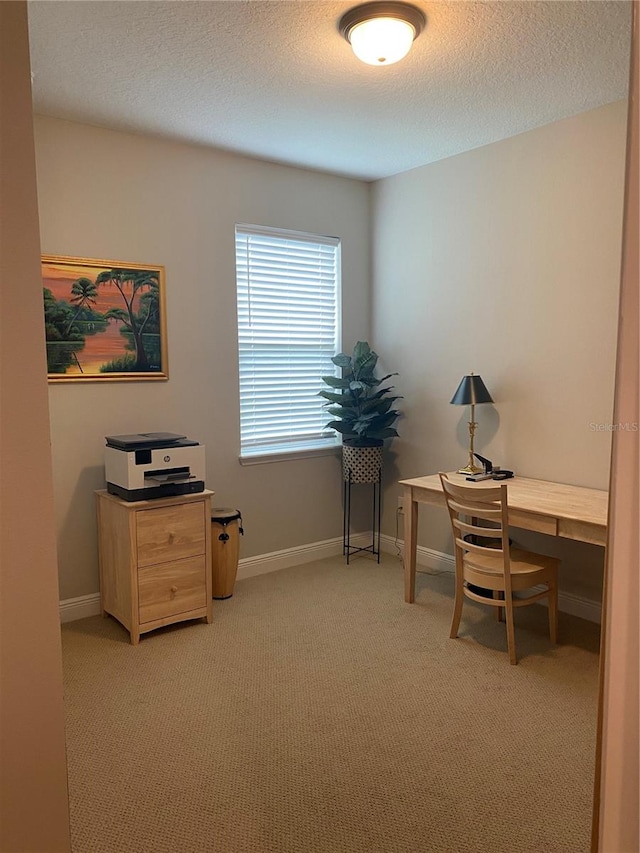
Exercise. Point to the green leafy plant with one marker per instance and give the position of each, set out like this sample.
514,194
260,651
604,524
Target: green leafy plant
362,409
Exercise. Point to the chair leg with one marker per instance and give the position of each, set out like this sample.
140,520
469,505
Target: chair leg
457,606
553,610
511,634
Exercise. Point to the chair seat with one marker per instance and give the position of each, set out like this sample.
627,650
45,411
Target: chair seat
527,569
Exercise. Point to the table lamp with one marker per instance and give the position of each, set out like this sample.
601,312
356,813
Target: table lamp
471,390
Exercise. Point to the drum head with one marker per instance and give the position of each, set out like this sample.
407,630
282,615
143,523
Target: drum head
224,515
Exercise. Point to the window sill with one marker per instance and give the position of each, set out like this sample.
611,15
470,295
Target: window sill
290,455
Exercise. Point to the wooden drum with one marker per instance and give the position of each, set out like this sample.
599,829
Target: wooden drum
226,527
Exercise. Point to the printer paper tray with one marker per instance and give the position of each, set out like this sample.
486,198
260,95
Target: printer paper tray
166,490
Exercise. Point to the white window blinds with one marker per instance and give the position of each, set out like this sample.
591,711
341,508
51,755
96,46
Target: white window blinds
288,330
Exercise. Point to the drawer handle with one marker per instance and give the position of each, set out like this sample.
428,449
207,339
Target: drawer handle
174,589
172,537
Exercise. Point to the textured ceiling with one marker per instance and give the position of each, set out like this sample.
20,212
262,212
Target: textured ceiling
275,79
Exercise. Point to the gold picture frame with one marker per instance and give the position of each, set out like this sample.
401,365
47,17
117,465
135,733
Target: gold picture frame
104,320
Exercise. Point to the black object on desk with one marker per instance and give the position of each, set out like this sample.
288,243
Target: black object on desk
488,471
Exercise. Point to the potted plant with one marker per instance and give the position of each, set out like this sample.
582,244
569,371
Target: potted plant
362,411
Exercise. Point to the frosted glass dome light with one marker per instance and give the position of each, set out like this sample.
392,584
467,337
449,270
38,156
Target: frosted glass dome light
382,41
382,33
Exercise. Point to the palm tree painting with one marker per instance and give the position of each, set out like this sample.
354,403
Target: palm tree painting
103,320
83,293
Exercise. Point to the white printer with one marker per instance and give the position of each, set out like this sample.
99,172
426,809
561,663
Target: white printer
153,465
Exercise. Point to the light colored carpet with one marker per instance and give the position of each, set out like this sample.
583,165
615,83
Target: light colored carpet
319,713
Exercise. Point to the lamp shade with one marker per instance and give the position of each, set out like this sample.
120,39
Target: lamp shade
471,390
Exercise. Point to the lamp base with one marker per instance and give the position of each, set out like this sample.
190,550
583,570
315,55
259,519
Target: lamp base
470,469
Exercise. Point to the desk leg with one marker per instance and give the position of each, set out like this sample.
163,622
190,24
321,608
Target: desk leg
410,545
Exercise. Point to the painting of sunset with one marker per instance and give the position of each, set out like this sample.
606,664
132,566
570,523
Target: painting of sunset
103,320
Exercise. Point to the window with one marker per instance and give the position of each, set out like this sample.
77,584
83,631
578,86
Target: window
288,330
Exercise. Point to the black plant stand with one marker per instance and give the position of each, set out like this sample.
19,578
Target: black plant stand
374,548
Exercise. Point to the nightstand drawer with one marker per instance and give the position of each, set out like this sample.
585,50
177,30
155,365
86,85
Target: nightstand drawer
170,533
168,589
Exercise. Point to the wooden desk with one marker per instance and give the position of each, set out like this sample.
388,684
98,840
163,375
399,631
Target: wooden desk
555,509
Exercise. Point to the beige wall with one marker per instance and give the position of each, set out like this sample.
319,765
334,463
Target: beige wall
122,197
33,782
505,261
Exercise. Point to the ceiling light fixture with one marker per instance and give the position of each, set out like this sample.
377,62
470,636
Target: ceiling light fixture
382,33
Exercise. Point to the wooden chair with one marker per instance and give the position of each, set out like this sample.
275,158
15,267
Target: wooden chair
485,559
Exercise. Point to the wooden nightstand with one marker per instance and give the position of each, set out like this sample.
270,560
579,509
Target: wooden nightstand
155,560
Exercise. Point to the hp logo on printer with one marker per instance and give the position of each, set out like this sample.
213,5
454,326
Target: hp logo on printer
167,459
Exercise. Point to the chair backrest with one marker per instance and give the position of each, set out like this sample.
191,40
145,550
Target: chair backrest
470,505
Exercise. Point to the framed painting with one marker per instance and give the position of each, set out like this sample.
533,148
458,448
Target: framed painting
104,320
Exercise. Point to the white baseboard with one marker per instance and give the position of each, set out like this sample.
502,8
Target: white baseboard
432,561
79,608
249,567
575,605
